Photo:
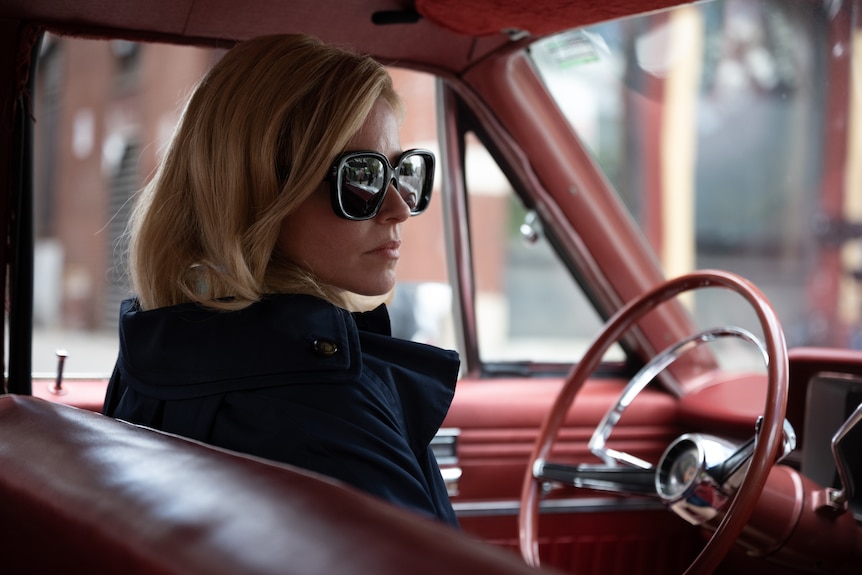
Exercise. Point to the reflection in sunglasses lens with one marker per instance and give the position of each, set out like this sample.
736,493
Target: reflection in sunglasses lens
411,177
362,180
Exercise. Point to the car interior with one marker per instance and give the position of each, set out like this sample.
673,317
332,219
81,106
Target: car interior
644,242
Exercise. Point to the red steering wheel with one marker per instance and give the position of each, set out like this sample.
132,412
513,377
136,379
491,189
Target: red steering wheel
769,438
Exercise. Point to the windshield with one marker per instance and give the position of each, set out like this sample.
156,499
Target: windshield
731,130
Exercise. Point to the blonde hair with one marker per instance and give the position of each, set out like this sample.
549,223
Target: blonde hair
255,140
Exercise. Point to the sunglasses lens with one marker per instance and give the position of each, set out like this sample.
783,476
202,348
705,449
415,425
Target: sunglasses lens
413,174
363,178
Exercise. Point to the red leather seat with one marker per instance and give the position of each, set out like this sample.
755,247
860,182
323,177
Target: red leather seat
80,492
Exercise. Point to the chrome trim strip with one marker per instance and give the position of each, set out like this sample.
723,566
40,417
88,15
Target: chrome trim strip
571,505
444,445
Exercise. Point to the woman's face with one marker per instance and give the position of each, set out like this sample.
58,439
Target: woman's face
356,256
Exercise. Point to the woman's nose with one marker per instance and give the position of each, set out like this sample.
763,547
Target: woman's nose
394,207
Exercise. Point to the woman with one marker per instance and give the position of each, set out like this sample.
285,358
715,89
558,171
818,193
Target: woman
283,193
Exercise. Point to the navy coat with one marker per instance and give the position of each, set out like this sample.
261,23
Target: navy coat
294,379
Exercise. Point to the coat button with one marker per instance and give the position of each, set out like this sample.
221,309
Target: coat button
325,347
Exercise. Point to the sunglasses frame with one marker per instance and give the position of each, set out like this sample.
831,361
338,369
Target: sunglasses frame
390,174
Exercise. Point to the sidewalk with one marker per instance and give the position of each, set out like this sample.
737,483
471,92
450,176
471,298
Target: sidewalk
88,353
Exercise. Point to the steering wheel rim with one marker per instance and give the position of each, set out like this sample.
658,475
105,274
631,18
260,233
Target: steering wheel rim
770,436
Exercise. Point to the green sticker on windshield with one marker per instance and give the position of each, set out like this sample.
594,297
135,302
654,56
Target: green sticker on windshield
573,48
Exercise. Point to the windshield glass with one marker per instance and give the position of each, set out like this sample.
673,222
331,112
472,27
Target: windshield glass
731,130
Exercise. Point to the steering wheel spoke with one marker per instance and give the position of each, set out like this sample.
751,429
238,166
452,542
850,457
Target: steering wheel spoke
628,480
598,441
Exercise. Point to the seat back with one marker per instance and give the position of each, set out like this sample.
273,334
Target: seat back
83,491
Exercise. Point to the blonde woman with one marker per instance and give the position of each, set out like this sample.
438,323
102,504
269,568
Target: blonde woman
283,193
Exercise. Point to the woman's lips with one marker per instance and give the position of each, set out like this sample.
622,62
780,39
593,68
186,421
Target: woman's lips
388,249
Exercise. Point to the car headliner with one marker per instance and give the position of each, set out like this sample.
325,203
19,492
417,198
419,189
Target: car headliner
449,35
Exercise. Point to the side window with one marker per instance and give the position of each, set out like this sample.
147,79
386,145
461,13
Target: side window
528,306
104,113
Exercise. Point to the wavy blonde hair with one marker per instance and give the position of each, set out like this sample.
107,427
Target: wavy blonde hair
255,140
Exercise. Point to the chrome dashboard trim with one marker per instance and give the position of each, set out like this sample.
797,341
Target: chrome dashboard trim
499,508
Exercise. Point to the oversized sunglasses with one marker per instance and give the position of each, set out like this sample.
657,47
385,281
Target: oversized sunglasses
359,181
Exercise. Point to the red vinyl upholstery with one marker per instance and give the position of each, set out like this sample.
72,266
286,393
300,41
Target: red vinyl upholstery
83,493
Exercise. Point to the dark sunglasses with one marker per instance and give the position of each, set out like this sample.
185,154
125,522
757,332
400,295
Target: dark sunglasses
359,180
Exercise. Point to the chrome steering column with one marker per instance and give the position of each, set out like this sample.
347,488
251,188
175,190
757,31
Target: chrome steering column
698,474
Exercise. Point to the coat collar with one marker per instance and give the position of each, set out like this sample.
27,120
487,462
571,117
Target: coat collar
188,350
